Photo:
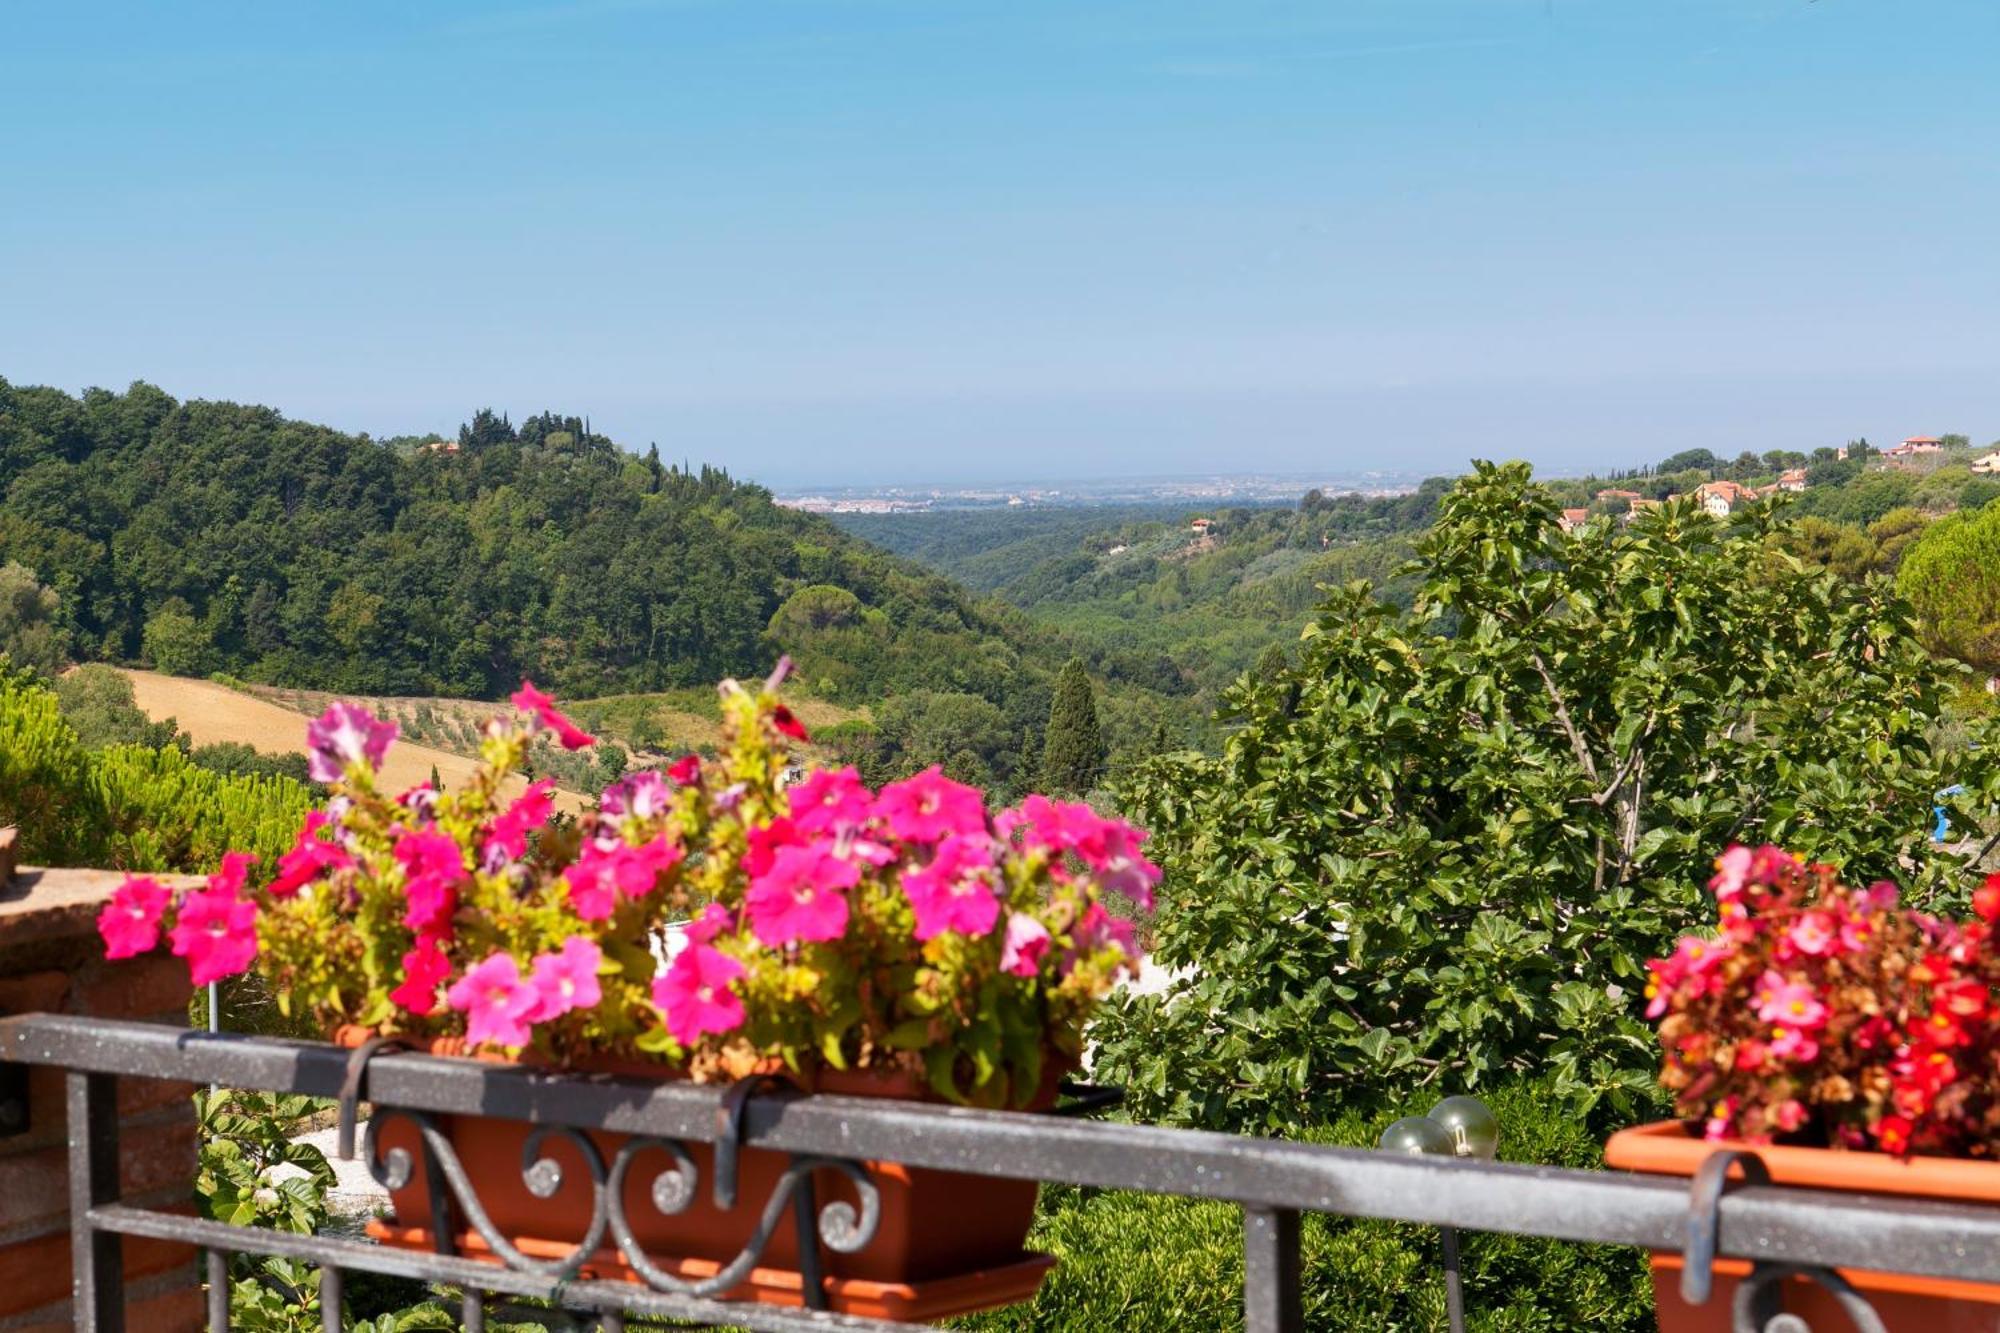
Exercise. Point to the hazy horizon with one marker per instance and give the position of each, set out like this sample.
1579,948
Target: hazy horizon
847,243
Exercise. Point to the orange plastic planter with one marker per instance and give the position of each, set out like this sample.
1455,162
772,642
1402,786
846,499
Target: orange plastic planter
947,1243
1907,1304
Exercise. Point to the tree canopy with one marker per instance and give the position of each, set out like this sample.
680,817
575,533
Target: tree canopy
212,536
1437,851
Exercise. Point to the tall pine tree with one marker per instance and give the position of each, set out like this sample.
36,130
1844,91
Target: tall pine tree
1073,750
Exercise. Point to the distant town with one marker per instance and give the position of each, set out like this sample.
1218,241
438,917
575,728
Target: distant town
1241,489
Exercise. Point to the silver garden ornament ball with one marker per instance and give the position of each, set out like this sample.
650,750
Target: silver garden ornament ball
1469,1126
1416,1134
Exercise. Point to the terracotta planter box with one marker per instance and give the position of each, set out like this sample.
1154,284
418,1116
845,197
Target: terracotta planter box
1906,1304
947,1243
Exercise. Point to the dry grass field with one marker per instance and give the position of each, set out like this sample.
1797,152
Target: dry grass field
440,733
212,713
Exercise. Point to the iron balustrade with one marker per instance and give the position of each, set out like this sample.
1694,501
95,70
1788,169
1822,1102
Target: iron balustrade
1781,1230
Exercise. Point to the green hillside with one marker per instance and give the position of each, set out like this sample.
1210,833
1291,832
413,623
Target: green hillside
202,537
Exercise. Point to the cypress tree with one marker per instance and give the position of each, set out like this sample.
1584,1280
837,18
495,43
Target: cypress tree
1073,749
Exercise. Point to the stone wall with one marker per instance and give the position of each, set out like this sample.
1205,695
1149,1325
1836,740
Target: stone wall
51,961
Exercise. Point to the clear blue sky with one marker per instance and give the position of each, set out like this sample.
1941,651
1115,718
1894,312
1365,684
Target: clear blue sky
924,239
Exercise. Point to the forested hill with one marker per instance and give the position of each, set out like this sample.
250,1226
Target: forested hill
211,536
1208,591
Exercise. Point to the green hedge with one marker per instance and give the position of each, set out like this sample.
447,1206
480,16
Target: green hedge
128,806
1152,1262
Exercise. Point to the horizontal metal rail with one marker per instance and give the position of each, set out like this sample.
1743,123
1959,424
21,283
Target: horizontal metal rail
1272,1181
579,1294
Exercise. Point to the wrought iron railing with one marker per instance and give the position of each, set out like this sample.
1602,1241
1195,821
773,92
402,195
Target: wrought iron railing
1782,1231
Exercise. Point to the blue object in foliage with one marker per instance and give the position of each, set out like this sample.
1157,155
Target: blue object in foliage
1943,827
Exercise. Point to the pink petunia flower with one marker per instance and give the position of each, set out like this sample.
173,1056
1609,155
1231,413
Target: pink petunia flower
1110,847
344,734
567,979
830,799
216,931
955,891
694,994
639,796
1027,941
234,874
1097,928
424,970
802,897
130,922
433,868
602,875
508,833
429,904
1789,1114
714,919
762,841
309,858
431,851
930,807
685,771
497,1003
531,700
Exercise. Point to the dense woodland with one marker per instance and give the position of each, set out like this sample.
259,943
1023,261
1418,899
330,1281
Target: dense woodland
206,537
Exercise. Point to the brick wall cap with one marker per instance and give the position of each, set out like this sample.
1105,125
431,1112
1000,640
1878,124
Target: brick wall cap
47,904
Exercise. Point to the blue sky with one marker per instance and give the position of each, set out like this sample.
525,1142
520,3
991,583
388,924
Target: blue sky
819,240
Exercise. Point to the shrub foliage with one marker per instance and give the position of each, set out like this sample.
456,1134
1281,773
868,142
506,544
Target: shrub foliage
1439,850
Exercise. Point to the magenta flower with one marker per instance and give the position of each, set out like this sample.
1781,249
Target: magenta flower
508,833
1732,871
531,700
424,970
1791,1043
640,796
234,874
829,800
342,735
497,1003
1097,929
1791,1004
216,931
433,868
309,858
694,993
955,891
1813,934
1027,941
685,771
567,979
762,841
130,922
714,919
432,852
602,875
930,807
802,897
1110,847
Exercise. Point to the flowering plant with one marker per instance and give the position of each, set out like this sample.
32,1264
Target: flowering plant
709,916
1821,1013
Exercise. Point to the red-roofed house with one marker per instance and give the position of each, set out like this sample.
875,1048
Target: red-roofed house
1792,480
1572,519
1720,497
